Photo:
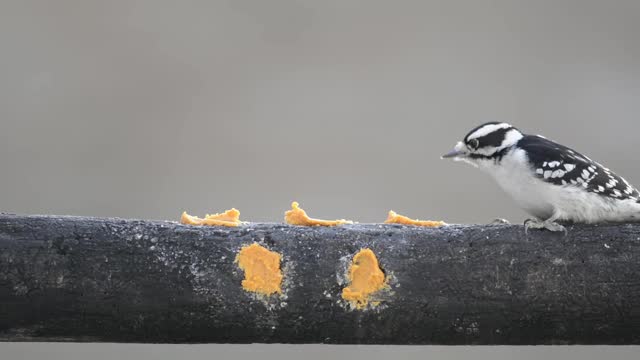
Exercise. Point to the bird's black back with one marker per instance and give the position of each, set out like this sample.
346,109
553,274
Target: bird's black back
549,160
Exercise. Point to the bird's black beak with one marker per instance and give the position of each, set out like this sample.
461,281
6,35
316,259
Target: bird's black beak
457,152
452,154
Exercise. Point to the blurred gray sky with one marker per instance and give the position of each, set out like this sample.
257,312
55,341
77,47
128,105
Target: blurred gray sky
146,108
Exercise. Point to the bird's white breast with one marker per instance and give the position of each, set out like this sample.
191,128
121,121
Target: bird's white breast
516,179
543,200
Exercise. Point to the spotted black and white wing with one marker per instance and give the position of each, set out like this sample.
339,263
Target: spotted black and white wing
562,166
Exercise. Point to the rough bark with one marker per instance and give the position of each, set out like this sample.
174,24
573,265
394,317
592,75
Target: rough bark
115,280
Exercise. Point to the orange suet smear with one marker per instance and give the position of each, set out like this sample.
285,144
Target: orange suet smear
365,277
261,268
394,218
228,218
297,216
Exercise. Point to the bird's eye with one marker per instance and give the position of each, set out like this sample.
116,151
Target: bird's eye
473,144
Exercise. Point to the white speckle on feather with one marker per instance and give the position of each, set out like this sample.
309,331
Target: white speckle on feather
585,174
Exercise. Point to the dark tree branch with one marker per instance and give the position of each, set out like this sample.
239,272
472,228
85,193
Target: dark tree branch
89,279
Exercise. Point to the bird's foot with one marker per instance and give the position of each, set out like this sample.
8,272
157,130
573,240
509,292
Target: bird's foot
499,221
538,224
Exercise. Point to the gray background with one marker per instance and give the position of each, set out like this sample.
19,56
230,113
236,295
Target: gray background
146,108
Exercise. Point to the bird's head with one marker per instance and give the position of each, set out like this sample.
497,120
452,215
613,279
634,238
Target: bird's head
485,142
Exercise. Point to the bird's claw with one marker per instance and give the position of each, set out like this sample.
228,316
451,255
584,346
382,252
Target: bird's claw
538,224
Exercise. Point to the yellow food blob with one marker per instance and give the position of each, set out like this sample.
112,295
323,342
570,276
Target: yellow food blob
297,216
394,218
228,218
365,278
261,268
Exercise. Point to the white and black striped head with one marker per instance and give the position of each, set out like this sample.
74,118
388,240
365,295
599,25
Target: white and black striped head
486,142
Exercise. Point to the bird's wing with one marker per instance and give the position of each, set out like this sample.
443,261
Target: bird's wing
560,165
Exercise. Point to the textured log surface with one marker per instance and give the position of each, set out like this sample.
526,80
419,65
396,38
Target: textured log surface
115,280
